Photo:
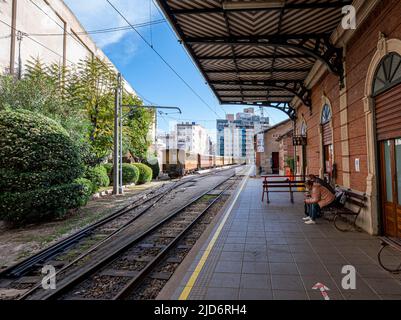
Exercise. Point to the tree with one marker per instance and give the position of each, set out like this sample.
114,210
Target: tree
43,90
81,99
93,88
136,128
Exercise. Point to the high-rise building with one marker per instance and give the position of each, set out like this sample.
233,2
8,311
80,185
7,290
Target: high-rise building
235,137
193,137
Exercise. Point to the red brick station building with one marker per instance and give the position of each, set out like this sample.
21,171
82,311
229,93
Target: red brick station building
356,127
339,84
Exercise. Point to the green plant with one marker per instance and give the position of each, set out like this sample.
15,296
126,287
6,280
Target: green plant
40,204
87,190
145,173
38,162
109,168
290,162
81,99
153,163
98,176
130,173
136,128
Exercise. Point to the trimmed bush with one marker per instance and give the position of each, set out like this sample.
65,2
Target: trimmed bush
36,150
145,173
98,176
130,173
38,165
39,204
153,163
86,192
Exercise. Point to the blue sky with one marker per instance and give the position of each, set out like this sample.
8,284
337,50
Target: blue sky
145,71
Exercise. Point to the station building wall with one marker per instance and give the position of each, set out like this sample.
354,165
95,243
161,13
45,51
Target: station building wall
352,115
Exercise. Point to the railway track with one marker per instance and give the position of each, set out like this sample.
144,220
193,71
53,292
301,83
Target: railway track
116,275
64,254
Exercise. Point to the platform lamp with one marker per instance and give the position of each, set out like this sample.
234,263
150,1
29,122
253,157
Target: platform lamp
118,129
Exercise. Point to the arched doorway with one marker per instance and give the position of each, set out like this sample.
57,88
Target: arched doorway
386,92
327,140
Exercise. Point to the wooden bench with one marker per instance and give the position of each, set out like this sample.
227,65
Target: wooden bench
287,183
394,243
341,214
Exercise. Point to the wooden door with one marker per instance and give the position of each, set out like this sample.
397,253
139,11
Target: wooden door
390,177
388,131
275,163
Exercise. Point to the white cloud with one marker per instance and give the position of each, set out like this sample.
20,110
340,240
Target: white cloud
98,14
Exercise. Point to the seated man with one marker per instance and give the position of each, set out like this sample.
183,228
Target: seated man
320,197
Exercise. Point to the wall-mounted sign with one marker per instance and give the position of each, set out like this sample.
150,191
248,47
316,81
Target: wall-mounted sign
260,142
357,165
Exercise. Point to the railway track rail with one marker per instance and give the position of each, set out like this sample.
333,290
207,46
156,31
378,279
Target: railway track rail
63,254
115,275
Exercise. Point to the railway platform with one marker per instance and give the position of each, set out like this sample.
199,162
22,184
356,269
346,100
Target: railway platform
265,252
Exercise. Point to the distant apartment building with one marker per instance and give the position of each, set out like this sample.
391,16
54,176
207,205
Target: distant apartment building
235,135
166,141
193,137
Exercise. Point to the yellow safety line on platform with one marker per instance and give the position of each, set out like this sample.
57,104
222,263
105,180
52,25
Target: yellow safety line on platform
187,290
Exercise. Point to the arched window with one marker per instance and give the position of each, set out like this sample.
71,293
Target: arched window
388,73
326,114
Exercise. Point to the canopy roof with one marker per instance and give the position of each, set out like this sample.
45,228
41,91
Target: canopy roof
258,52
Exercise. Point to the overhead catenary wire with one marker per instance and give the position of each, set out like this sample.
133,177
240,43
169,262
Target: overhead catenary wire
186,52
34,40
163,59
102,31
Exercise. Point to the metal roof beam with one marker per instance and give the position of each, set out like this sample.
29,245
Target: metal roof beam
298,6
295,87
245,89
322,48
284,107
262,57
270,70
258,96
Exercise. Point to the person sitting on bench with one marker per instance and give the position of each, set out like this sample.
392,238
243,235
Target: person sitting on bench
308,189
320,197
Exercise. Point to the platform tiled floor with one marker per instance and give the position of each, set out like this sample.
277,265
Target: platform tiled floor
267,252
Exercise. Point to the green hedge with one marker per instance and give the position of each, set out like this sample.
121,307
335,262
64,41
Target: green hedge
130,173
38,165
98,176
153,163
31,145
39,204
86,192
145,173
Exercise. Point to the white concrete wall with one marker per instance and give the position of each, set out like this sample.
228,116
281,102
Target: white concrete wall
40,17
5,34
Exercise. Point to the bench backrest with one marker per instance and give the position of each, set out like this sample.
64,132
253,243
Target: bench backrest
355,199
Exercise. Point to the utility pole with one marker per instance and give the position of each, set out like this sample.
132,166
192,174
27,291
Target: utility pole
120,189
116,152
118,134
13,36
19,38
